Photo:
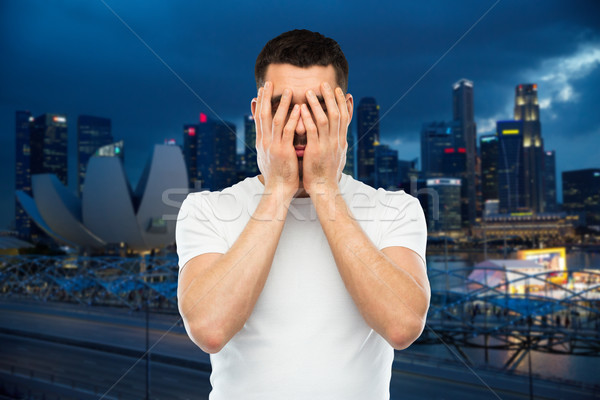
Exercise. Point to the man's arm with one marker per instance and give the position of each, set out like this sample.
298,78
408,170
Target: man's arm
390,287
217,292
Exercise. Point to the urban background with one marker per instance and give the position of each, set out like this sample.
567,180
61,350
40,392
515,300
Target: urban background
112,112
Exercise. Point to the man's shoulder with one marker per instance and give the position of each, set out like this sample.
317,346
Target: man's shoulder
358,192
226,204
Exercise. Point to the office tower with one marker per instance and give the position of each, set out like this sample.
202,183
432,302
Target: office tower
550,181
367,134
466,137
511,169
49,146
386,167
488,146
250,166
436,138
350,167
581,193
190,153
528,111
444,208
92,133
213,163
407,170
23,171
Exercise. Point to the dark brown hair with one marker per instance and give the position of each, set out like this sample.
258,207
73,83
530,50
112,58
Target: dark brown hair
302,48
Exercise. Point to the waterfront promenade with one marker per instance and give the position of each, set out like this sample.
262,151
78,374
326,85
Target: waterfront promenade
63,351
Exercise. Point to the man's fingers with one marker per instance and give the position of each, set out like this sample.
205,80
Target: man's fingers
265,110
281,114
344,116
320,117
290,128
311,129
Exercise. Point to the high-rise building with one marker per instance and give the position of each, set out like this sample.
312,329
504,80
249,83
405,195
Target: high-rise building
212,165
444,208
250,165
367,134
190,153
23,171
49,146
436,139
511,169
466,137
488,146
550,181
386,167
581,193
92,133
527,110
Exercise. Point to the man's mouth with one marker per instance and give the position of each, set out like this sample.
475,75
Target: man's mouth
299,150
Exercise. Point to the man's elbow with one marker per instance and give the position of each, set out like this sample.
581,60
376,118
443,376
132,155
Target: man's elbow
209,339
402,337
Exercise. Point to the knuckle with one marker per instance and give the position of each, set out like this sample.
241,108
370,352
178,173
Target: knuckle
277,121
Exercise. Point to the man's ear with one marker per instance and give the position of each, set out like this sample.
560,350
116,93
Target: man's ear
350,105
253,107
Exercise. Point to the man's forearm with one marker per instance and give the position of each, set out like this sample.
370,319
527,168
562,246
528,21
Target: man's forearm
219,298
390,300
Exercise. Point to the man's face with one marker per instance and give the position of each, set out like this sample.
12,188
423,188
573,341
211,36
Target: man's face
299,80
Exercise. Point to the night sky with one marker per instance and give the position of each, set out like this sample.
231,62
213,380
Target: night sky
77,57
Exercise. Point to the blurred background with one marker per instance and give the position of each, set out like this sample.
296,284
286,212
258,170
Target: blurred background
111,112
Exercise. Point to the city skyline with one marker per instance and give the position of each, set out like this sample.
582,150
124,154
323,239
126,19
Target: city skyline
48,68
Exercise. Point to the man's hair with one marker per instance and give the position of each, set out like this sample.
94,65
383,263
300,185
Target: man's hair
302,48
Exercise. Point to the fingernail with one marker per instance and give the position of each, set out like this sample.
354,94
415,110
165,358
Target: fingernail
267,84
286,92
311,93
326,85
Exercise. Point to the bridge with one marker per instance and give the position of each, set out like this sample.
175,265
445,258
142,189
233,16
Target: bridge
560,318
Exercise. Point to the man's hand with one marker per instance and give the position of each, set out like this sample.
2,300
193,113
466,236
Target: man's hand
276,156
325,152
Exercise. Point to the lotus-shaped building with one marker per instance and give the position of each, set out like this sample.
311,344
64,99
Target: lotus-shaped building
109,212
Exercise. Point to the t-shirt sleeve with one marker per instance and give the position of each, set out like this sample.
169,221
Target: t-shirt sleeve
403,223
197,230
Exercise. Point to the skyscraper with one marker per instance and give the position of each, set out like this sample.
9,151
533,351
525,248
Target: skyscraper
190,153
92,133
444,209
528,111
550,181
436,138
386,167
213,163
23,171
466,137
581,193
488,146
511,169
49,146
251,166
367,134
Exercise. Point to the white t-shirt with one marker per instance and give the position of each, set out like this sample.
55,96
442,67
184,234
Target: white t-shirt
305,338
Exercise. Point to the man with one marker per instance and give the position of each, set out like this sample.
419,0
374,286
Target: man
301,281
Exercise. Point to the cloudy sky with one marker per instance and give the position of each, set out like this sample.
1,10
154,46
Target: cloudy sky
152,66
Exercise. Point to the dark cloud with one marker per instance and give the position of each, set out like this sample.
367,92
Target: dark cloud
78,58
